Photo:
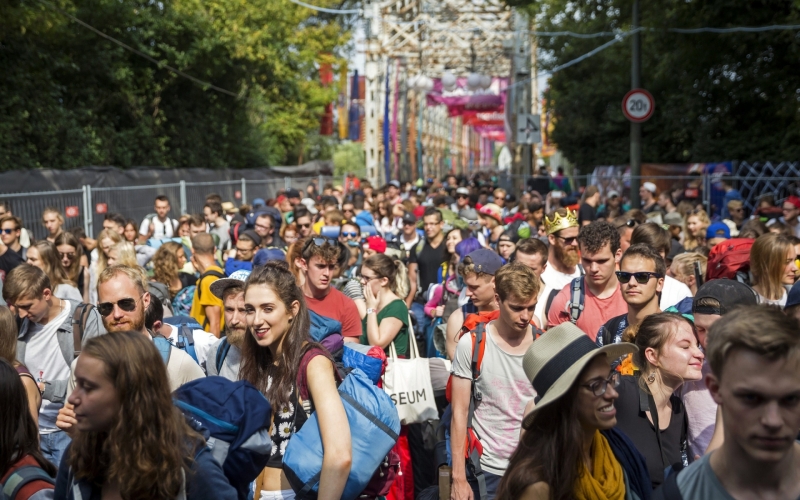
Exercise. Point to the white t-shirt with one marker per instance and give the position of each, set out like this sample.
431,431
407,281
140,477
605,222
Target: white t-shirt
701,411
44,359
164,229
505,392
408,245
553,280
673,292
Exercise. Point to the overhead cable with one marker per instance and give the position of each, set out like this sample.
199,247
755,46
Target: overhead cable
324,9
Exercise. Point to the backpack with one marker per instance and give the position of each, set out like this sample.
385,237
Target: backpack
21,477
222,353
474,324
234,418
730,259
609,329
186,326
79,317
182,303
577,299
160,292
322,326
374,430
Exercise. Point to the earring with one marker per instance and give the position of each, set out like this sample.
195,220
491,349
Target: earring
651,378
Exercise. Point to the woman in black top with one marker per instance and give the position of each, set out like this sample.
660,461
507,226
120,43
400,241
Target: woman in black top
668,355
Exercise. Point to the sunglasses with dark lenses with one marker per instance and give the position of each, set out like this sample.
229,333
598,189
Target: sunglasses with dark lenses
462,196
568,241
303,226
629,223
640,277
349,234
8,231
66,255
106,308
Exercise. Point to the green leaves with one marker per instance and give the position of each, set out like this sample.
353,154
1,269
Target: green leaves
70,98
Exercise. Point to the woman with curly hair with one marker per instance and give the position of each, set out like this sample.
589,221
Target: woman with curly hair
167,264
132,441
44,255
694,231
70,253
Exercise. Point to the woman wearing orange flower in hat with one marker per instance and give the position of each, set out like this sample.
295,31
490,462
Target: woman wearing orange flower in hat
569,448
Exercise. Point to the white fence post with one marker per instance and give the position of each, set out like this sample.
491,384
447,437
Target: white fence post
183,197
244,191
88,213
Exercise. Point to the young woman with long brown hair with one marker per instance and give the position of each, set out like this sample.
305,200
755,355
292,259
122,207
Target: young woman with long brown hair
132,441
272,354
70,253
44,255
772,264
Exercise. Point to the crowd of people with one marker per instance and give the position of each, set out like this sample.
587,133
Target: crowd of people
578,348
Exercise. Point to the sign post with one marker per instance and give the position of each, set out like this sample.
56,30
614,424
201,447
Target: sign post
638,105
528,129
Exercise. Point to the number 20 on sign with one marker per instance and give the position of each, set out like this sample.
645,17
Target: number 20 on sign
638,105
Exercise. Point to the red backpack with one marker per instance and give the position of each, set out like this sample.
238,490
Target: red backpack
729,258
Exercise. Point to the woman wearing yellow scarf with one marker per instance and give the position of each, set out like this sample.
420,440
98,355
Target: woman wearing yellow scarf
569,448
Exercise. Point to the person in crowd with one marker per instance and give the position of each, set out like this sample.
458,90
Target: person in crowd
114,222
792,307
387,320
625,226
46,344
122,403
478,270
302,219
666,203
736,213
348,210
318,263
498,417
712,301
562,258
350,236
289,233
122,254
231,292
755,379
373,245
687,267
197,225
272,355
507,244
570,448
587,213
716,233
409,236
25,237
694,234
657,238
220,227
70,253
183,226
10,234
641,277
206,308
532,252
599,247
19,442
462,199
612,208
423,266
647,193
52,220
159,225
265,228
491,218
791,210
648,410
447,277
245,248
773,266
167,264
131,232
8,352
43,254
534,214
105,241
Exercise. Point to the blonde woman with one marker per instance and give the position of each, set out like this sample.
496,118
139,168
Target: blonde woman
694,231
105,241
683,269
772,264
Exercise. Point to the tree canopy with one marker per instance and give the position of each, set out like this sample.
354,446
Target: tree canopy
718,96
70,98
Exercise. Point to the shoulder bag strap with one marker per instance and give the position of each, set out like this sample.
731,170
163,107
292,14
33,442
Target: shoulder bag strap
78,324
222,353
576,299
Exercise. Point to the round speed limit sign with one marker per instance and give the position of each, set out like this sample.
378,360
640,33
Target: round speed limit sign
638,105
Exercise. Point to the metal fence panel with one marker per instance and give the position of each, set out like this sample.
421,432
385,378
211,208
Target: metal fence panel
29,208
196,193
264,189
133,202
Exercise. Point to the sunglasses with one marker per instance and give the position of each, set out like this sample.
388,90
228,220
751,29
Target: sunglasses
106,308
349,234
8,231
303,226
568,241
66,255
640,277
629,223
462,196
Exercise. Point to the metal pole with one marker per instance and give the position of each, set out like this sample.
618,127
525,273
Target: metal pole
183,198
636,128
88,214
405,172
244,191
420,171
287,183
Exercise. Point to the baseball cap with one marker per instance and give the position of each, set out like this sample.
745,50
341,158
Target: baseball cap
235,279
259,202
395,184
794,296
462,190
409,218
612,194
718,230
292,193
729,293
794,200
376,243
650,187
267,254
485,261
673,219
310,205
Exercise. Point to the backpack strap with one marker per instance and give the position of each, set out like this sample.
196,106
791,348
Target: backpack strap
164,347
79,317
185,336
22,477
577,298
222,353
553,294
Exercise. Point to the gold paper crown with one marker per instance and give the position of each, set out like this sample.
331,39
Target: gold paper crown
558,223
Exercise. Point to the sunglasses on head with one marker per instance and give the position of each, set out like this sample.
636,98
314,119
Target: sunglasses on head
106,308
640,277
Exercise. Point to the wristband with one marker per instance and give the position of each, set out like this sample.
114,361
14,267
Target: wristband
371,310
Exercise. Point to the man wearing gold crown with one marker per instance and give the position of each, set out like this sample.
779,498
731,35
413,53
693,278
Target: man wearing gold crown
562,258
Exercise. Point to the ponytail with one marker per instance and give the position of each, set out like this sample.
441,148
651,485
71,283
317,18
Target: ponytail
401,286
392,269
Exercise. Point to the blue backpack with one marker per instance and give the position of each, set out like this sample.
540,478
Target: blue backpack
234,418
186,326
374,429
322,326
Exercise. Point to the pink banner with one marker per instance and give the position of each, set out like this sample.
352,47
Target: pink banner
459,105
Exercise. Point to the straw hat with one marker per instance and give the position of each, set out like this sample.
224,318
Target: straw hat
556,359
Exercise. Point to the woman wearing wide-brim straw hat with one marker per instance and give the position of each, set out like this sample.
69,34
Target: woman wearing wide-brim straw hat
569,448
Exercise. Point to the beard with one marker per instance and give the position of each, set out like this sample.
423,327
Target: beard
236,336
127,325
567,255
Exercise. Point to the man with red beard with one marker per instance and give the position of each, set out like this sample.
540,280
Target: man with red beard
562,258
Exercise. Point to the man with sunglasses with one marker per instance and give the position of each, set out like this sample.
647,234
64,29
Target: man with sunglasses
46,344
562,256
423,266
350,235
320,261
641,277
625,226
593,299
409,236
302,219
10,233
462,199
